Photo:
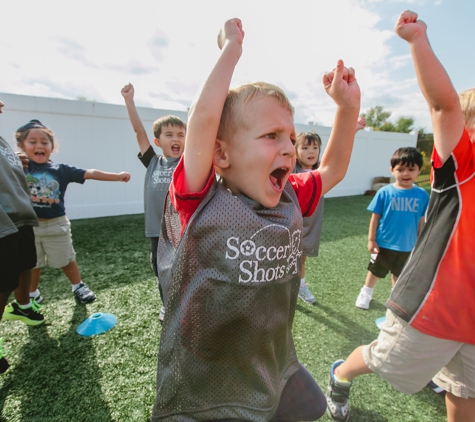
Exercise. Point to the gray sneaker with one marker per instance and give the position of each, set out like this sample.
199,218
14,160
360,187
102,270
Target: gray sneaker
338,404
305,295
84,294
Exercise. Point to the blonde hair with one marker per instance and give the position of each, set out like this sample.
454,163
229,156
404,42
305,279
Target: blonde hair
237,99
467,102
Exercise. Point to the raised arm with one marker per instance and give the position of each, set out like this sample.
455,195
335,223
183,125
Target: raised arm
140,132
205,113
341,85
435,84
94,174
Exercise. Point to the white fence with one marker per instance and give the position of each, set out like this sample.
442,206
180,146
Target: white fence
96,135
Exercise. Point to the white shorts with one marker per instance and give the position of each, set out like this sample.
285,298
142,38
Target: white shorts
408,359
54,245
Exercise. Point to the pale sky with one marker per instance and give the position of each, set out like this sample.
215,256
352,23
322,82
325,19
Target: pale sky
68,49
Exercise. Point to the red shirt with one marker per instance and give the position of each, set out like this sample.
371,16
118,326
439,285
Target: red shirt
307,186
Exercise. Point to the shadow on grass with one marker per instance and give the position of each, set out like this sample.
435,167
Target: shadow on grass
44,363
340,324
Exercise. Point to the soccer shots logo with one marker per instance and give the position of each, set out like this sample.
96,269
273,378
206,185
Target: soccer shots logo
260,262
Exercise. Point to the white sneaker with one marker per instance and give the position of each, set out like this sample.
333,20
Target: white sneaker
363,299
305,295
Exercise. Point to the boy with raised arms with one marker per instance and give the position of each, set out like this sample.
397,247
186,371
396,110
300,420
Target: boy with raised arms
429,330
230,249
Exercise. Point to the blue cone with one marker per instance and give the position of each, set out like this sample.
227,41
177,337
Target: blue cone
97,323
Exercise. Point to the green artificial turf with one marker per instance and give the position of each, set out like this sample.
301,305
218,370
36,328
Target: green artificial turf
58,375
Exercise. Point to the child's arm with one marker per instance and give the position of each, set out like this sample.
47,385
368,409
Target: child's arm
373,247
142,138
205,113
341,85
435,84
94,174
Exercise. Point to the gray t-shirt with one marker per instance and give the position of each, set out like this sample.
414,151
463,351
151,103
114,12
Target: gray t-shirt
157,182
15,206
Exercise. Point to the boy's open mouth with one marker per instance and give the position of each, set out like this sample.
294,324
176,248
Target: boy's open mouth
176,149
277,176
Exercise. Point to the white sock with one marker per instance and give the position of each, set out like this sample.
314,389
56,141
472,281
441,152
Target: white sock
25,306
368,290
339,381
75,286
34,294
302,282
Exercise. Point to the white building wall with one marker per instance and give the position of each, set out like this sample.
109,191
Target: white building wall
96,135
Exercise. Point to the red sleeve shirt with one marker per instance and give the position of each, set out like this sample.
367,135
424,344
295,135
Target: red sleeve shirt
307,186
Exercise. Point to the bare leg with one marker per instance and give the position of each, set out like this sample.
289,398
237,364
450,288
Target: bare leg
304,259
393,279
371,280
459,409
35,279
353,366
72,272
22,292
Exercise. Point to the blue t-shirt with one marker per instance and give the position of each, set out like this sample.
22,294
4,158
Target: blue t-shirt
400,211
48,183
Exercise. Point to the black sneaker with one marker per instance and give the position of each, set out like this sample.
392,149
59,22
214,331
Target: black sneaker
30,316
338,405
3,362
84,294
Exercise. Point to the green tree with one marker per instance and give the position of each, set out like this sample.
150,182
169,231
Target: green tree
377,118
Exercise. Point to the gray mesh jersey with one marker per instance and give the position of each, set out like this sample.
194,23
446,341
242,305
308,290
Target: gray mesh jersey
230,285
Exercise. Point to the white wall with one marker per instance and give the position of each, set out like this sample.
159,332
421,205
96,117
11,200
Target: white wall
96,135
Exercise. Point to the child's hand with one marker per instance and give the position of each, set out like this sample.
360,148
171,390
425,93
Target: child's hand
231,31
24,160
373,247
361,123
123,176
408,27
128,91
341,85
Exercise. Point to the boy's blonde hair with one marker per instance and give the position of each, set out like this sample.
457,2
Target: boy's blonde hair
166,121
467,102
22,132
233,117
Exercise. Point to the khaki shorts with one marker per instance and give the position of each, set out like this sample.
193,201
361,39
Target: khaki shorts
408,359
54,246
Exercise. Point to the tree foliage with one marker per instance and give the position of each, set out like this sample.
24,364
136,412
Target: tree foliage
377,118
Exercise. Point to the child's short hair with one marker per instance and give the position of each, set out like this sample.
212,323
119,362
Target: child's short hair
232,116
166,121
407,156
467,102
23,132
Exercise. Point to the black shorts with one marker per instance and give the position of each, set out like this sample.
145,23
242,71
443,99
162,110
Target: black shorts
387,261
17,254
